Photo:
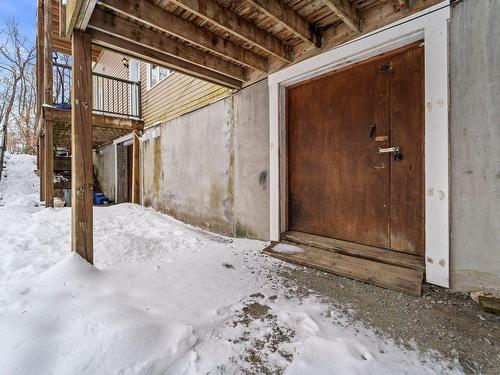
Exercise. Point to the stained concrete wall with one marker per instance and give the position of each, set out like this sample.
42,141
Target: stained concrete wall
475,144
104,167
209,168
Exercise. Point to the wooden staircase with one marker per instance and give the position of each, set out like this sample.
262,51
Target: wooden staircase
381,267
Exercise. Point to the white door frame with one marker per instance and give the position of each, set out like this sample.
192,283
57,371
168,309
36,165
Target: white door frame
430,25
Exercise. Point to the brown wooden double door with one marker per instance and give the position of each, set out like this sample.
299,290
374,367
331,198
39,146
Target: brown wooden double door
340,185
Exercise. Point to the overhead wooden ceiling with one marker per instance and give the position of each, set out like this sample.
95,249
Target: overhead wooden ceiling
62,45
236,42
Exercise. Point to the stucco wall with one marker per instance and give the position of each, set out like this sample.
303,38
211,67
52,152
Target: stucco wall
475,144
209,167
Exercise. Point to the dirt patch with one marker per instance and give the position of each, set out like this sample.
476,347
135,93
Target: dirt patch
259,349
448,322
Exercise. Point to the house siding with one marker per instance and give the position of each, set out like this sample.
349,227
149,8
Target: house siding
176,95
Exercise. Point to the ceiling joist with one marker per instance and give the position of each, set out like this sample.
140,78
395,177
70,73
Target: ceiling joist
110,23
234,24
292,21
153,56
160,19
346,12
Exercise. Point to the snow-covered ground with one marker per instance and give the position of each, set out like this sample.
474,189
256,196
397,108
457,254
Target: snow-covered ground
163,298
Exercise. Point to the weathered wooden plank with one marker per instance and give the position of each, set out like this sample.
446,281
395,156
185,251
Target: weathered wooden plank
155,57
280,12
346,12
355,249
110,23
384,275
490,304
81,142
136,198
158,18
78,13
41,156
233,23
101,121
48,99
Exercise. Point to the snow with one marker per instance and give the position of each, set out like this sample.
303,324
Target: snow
284,248
163,298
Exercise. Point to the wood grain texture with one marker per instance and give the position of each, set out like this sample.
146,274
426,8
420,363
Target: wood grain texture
384,275
339,185
358,250
407,211
81,141
157,17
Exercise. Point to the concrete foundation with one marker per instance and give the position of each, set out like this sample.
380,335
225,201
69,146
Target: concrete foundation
104,166
475,145
209,167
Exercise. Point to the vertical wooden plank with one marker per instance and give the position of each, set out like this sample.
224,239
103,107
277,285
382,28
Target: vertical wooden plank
48,164
81,143
48,99
41,156
135,169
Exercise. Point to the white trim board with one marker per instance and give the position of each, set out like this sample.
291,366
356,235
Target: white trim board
431,25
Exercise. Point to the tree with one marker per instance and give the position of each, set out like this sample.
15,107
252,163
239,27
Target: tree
17,89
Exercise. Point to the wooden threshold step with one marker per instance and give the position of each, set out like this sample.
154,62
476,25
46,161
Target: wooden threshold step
384,275
357,250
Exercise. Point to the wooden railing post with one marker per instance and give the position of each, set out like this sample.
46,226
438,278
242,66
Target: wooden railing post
48,99
136,185
81,145
41,156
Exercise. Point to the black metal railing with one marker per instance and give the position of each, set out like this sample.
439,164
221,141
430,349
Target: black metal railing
110,95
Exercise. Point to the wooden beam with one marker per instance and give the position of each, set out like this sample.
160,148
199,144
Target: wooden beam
81,146
346,12
48,99
231,22
136,198
78,14
100,121
282,13
119,27
155,16
41,155
131,49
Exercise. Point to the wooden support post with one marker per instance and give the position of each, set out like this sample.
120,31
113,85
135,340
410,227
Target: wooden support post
48,167
136,186
48,99
41,156
81,146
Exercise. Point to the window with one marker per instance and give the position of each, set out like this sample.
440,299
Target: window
156,74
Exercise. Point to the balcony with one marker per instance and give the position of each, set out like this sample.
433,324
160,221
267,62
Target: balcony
111,96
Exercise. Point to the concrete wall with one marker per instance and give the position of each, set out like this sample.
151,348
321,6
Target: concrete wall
104,166
475,144
209,167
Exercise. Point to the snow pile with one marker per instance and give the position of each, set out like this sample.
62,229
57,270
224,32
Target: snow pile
284,248
164,298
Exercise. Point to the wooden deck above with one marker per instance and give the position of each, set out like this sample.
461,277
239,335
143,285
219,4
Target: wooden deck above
105,129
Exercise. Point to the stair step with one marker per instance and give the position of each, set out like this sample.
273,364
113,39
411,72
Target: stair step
407,280
357,250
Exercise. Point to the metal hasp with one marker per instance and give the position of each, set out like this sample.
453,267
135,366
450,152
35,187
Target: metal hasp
395,150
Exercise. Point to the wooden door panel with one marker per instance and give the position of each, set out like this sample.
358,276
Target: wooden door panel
406,219
337,181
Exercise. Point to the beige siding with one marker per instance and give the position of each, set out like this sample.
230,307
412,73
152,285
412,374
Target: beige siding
176,95
112,95
110,63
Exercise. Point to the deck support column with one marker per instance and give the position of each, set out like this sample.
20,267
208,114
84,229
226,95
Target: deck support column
81,146
48,100
136,196
41,163
48,161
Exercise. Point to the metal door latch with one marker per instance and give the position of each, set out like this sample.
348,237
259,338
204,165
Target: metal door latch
395,150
